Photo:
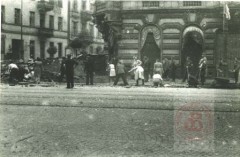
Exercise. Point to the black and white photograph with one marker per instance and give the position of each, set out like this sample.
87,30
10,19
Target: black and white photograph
120,78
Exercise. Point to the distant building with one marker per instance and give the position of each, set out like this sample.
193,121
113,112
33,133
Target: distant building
44,25
170,29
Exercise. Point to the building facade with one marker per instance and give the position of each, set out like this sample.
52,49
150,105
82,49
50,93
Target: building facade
44,24
170,29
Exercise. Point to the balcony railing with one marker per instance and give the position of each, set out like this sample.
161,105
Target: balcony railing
45,32
44,6
86,15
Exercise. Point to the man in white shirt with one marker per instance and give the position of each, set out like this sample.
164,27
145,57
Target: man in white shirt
13,73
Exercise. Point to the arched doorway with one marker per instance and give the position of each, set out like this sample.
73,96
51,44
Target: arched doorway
192,46
150,48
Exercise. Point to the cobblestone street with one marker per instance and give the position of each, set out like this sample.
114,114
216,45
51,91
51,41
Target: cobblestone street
117,121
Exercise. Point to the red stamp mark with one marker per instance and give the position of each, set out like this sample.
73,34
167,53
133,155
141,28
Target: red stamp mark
194,121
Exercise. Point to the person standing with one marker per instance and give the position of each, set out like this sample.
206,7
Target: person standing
62,69
70,65
158,67
120,71
112,71
221,68
203,69
188,66
173,68
89,69
236,69
138,72
146,67
38,70
166,66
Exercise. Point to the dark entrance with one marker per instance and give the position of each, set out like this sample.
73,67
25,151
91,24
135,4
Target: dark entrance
16,49
193,48
150,49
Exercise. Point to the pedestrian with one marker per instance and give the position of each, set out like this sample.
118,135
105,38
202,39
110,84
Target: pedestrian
203,70
62,69
147,68
236,69
187,68
221,68
166,66
112,71
158,67
38,70
138,72
21,70
89,69
120,71
70,64
173,68
13,73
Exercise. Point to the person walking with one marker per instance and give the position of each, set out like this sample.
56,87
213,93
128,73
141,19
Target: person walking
120,71
173,68
70,65
138,72
89,70
147,68
38,67
236,69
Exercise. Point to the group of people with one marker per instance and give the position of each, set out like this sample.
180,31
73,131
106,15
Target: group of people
142,70
21,71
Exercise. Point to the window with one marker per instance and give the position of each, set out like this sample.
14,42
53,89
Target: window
32,18
3,44
192,3
60,23
60,3
75,27
3,14
75,5
59,49
51,21
42,20
32,49
83,5
17,18
150,3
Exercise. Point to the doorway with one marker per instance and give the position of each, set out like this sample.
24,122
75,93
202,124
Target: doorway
150,49
16,49
193,48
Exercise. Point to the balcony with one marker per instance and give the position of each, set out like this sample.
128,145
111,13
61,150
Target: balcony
44,6
75,14
45,32
86,15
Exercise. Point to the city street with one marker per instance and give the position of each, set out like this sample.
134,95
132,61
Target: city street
117,121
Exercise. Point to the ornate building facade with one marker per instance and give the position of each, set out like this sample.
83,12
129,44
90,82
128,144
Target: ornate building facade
44,24
170,29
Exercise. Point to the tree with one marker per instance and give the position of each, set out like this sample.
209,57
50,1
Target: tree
83,40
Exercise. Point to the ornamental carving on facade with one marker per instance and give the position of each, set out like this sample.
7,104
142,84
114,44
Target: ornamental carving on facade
152,29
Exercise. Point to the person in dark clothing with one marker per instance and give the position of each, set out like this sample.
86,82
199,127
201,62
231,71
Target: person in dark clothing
89,70
62,69
70,65
173,68
188,66
120,71
236,69
146,67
